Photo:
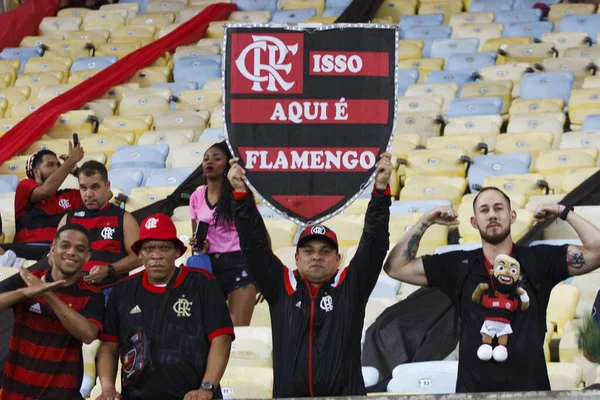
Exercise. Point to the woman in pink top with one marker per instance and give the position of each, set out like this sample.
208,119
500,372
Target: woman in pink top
213,205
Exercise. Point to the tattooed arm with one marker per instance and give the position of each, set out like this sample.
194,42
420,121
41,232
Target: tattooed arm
580,259
402,263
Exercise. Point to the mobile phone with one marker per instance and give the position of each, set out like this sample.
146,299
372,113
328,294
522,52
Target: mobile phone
201,232
75,140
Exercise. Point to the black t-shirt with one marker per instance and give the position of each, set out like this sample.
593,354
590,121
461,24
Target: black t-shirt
195,314
525,368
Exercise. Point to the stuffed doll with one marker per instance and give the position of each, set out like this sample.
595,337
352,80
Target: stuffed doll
501,301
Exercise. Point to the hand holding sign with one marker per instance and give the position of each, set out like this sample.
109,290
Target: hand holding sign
384,171
236,176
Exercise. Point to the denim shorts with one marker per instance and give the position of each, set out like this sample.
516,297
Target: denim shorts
231,270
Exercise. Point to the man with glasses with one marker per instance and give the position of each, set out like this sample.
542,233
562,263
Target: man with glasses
182,313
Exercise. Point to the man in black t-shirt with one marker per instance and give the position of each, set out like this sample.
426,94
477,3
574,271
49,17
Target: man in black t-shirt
190,343
458,273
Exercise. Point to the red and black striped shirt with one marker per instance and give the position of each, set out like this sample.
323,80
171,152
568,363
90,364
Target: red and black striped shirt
44,359
36,223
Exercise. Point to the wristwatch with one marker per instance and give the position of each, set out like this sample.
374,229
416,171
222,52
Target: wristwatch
563,215
208,386
111,271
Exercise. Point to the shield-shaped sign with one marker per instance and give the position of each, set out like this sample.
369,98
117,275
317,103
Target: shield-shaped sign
309,111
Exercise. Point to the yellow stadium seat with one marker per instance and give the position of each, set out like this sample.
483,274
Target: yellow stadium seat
495,44
565,376
423,124
580,67
173,138
247,383
447,8
165,30
59,25
483,32
436,162
583,102
103,20
136,103
102,108
588,285
116,92
3,107
581,139
80,122
7,272
423,65
216,117
502,89
10,66
148,76
36,41
191,100
530,53
192,51
75,48
318,5
24,108
561,230
462,18
49,64
527,106
348,228
119,50
533,143
162,6
188,155
79,12
136,124
107,143
261,315
428,104
524,184
562,304
250,352
395,9
95,37
142,33
569,353
554,164
473,145
158,20
557,11
539,122
281,232
194,120
142,196
210,42
16,166
58,146
286,255
132,9
51,92
402,144
7,124
562,41
434,188
189,12
36,80
446,90
433,238
487,126
410,49
591,54
576,177
506,72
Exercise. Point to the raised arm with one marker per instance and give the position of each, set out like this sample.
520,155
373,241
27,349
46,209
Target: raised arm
51,185
266,269
365,267
402,263
580,259
13,289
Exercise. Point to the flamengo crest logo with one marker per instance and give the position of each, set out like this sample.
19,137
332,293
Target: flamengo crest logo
309,111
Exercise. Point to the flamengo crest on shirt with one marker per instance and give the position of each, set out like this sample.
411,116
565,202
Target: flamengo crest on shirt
309,111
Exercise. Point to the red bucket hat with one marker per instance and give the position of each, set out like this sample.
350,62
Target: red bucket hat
157,227
317,232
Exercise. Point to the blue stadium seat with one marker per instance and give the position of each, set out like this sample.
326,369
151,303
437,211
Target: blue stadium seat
256,5
471,106
168,176
547,85
460,77
176,89
497,164
444,48
495,6
336,4
195,69
589,23
534,30
143,4
21,53
406,77
509,17
297,15
409,21
194,60
408,378
212,135
125,179
528,4
416,206
145,156
428,34
591,122
5,187
93,63
470,61
11,180
333,12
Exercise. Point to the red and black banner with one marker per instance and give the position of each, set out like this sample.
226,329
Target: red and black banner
309,111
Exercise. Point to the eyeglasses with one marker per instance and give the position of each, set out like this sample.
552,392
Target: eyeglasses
160,249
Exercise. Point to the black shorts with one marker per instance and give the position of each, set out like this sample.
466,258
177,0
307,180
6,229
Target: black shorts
231,270
28,251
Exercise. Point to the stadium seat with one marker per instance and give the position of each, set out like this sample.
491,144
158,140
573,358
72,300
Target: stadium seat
444,48
168,176
422,65
82,122
434,188
146,156
410,49
569,352
555,163
416,206
565,41
445,77
469,234
58,146
282,232
429,377
480,31
433,238
465,18
558,11
589,23
521,184
496,164
125,179
430,104
348,228
469,61
447,8
583,102
528,106
187,155
529,53
437,162
247,383
547,85
590,122
534,30
565,376
473,145
395,10
486,126
539,122
23,54
45,64
580,67
140,197
474,106
561,230
423,124
407,22
106,143
37,80
193,100
574,178
446,90
144,102
428,34
103,20
256,5
23,108
136,124
514,16
165,6
532,143
502,89
562,305
176,120
15,165
294,15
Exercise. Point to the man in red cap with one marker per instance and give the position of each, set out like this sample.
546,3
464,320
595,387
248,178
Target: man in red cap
170,326
317,311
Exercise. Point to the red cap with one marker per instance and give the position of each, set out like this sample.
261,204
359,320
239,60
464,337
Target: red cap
317,232
157,227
